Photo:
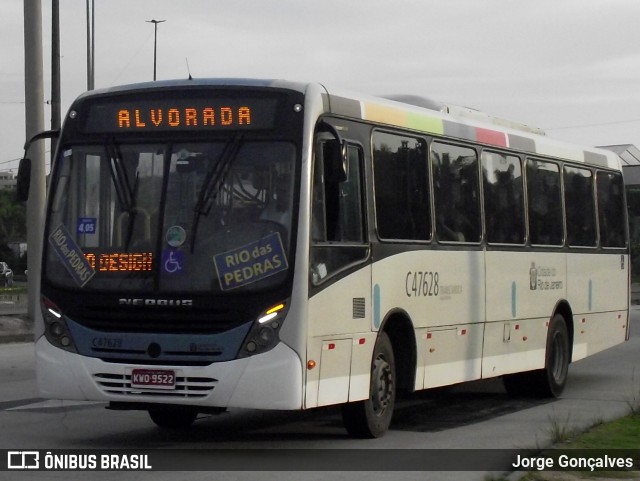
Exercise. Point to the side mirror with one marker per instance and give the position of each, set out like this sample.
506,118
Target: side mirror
24,180
24,169
334,153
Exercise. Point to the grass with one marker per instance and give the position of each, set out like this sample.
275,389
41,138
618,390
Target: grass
560,432
13,290
623,433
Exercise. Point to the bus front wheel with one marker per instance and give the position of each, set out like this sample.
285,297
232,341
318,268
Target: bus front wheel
550,381
173,418
371,418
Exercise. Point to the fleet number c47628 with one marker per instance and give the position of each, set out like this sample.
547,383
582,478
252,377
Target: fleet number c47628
422,284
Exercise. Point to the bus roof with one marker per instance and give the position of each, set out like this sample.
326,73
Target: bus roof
423,115
465,124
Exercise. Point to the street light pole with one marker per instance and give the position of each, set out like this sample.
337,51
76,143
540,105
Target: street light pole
91,23
155,42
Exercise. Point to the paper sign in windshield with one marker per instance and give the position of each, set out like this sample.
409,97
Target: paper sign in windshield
87,225
71,255
251,263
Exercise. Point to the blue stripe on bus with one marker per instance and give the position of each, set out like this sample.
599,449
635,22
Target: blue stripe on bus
376,306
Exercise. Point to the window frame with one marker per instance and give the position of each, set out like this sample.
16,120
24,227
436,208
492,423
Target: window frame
595,219
528,202
476,148
315,245
427,183
623,213
523,203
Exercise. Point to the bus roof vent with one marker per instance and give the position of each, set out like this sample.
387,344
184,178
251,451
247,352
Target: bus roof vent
473,114
418,101
462,112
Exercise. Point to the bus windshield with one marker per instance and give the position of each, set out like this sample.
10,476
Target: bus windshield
171,217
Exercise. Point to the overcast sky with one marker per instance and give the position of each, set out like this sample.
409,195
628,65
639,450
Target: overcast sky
571,67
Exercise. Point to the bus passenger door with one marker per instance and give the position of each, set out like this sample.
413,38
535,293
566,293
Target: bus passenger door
340,296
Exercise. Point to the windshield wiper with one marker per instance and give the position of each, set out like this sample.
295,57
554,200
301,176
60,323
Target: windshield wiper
213,183
125,193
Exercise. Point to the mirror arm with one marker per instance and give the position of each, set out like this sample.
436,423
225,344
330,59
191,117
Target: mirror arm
24,169
46,134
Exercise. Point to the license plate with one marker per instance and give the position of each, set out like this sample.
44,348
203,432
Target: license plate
153,378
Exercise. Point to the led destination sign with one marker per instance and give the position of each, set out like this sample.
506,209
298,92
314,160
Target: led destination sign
121,261
141,115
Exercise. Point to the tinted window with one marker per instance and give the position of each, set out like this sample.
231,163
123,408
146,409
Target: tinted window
545,202
401,187
456,193
337,229
503,198
611,209
580,207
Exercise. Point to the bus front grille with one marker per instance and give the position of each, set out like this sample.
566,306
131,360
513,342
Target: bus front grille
186,387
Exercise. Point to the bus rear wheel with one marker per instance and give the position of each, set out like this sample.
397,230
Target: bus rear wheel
173,418
371,418
550,381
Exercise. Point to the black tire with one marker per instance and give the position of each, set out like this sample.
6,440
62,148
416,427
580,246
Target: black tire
173,418
371,418
550,381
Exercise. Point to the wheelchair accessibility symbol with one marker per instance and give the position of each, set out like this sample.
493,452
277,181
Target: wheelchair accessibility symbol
172,261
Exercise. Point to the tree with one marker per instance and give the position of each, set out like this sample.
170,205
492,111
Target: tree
13,225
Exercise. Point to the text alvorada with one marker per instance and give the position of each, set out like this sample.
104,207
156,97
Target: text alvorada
183,117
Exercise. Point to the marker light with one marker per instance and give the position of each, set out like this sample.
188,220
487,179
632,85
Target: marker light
263,335
271,313
56,330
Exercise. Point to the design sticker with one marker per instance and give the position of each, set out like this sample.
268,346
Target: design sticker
71,255
251,263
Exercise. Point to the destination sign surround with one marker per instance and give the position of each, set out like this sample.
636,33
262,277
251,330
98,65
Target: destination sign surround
212,113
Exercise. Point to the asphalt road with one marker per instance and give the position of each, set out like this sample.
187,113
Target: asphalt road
473,416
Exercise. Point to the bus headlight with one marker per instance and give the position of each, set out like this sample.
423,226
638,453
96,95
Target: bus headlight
263,335
55,327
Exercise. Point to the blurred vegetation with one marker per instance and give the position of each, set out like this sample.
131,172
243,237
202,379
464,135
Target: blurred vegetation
13,228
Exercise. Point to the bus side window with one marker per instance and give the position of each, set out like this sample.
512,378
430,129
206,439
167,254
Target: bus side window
610,209
503,198
545,202
456,192
401,181
337,224
579,207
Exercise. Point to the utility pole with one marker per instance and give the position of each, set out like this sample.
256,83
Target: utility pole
155,43
34,120
55,72
91,45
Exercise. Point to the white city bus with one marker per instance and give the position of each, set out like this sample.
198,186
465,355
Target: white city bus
275,245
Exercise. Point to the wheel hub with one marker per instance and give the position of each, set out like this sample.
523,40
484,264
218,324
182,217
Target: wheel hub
383,385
